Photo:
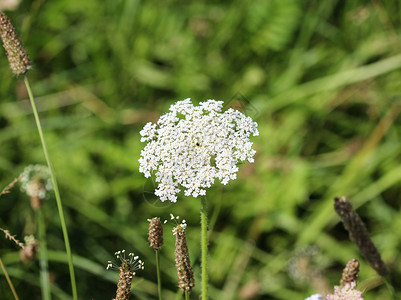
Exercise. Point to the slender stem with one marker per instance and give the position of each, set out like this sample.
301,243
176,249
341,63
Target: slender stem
56,191
44,266
159,281
391,287
204,242
9,280
186,295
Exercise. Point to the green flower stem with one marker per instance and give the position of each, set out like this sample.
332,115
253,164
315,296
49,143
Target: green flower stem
159,281
8,280
43,262
56,191
391,287
204,242
186,295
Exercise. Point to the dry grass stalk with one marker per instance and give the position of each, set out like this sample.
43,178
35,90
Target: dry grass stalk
7,189
12,238
359,234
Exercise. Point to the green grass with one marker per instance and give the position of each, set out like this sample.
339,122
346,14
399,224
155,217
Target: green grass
323,82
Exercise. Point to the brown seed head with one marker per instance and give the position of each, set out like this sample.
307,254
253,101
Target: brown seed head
155,235
359,234
182,262
350,272
16,53
124,281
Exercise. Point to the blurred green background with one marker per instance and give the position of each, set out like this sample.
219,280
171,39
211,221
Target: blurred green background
321,78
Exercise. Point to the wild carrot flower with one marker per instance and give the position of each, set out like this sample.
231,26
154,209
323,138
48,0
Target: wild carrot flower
191,146
346,292
127,272
16,53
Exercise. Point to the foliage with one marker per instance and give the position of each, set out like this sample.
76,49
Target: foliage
321,78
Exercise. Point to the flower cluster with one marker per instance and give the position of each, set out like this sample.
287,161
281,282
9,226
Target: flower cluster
127,272
345,292
191,146
36,181
132,262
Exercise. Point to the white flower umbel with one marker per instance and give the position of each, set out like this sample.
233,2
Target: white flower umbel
191,146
